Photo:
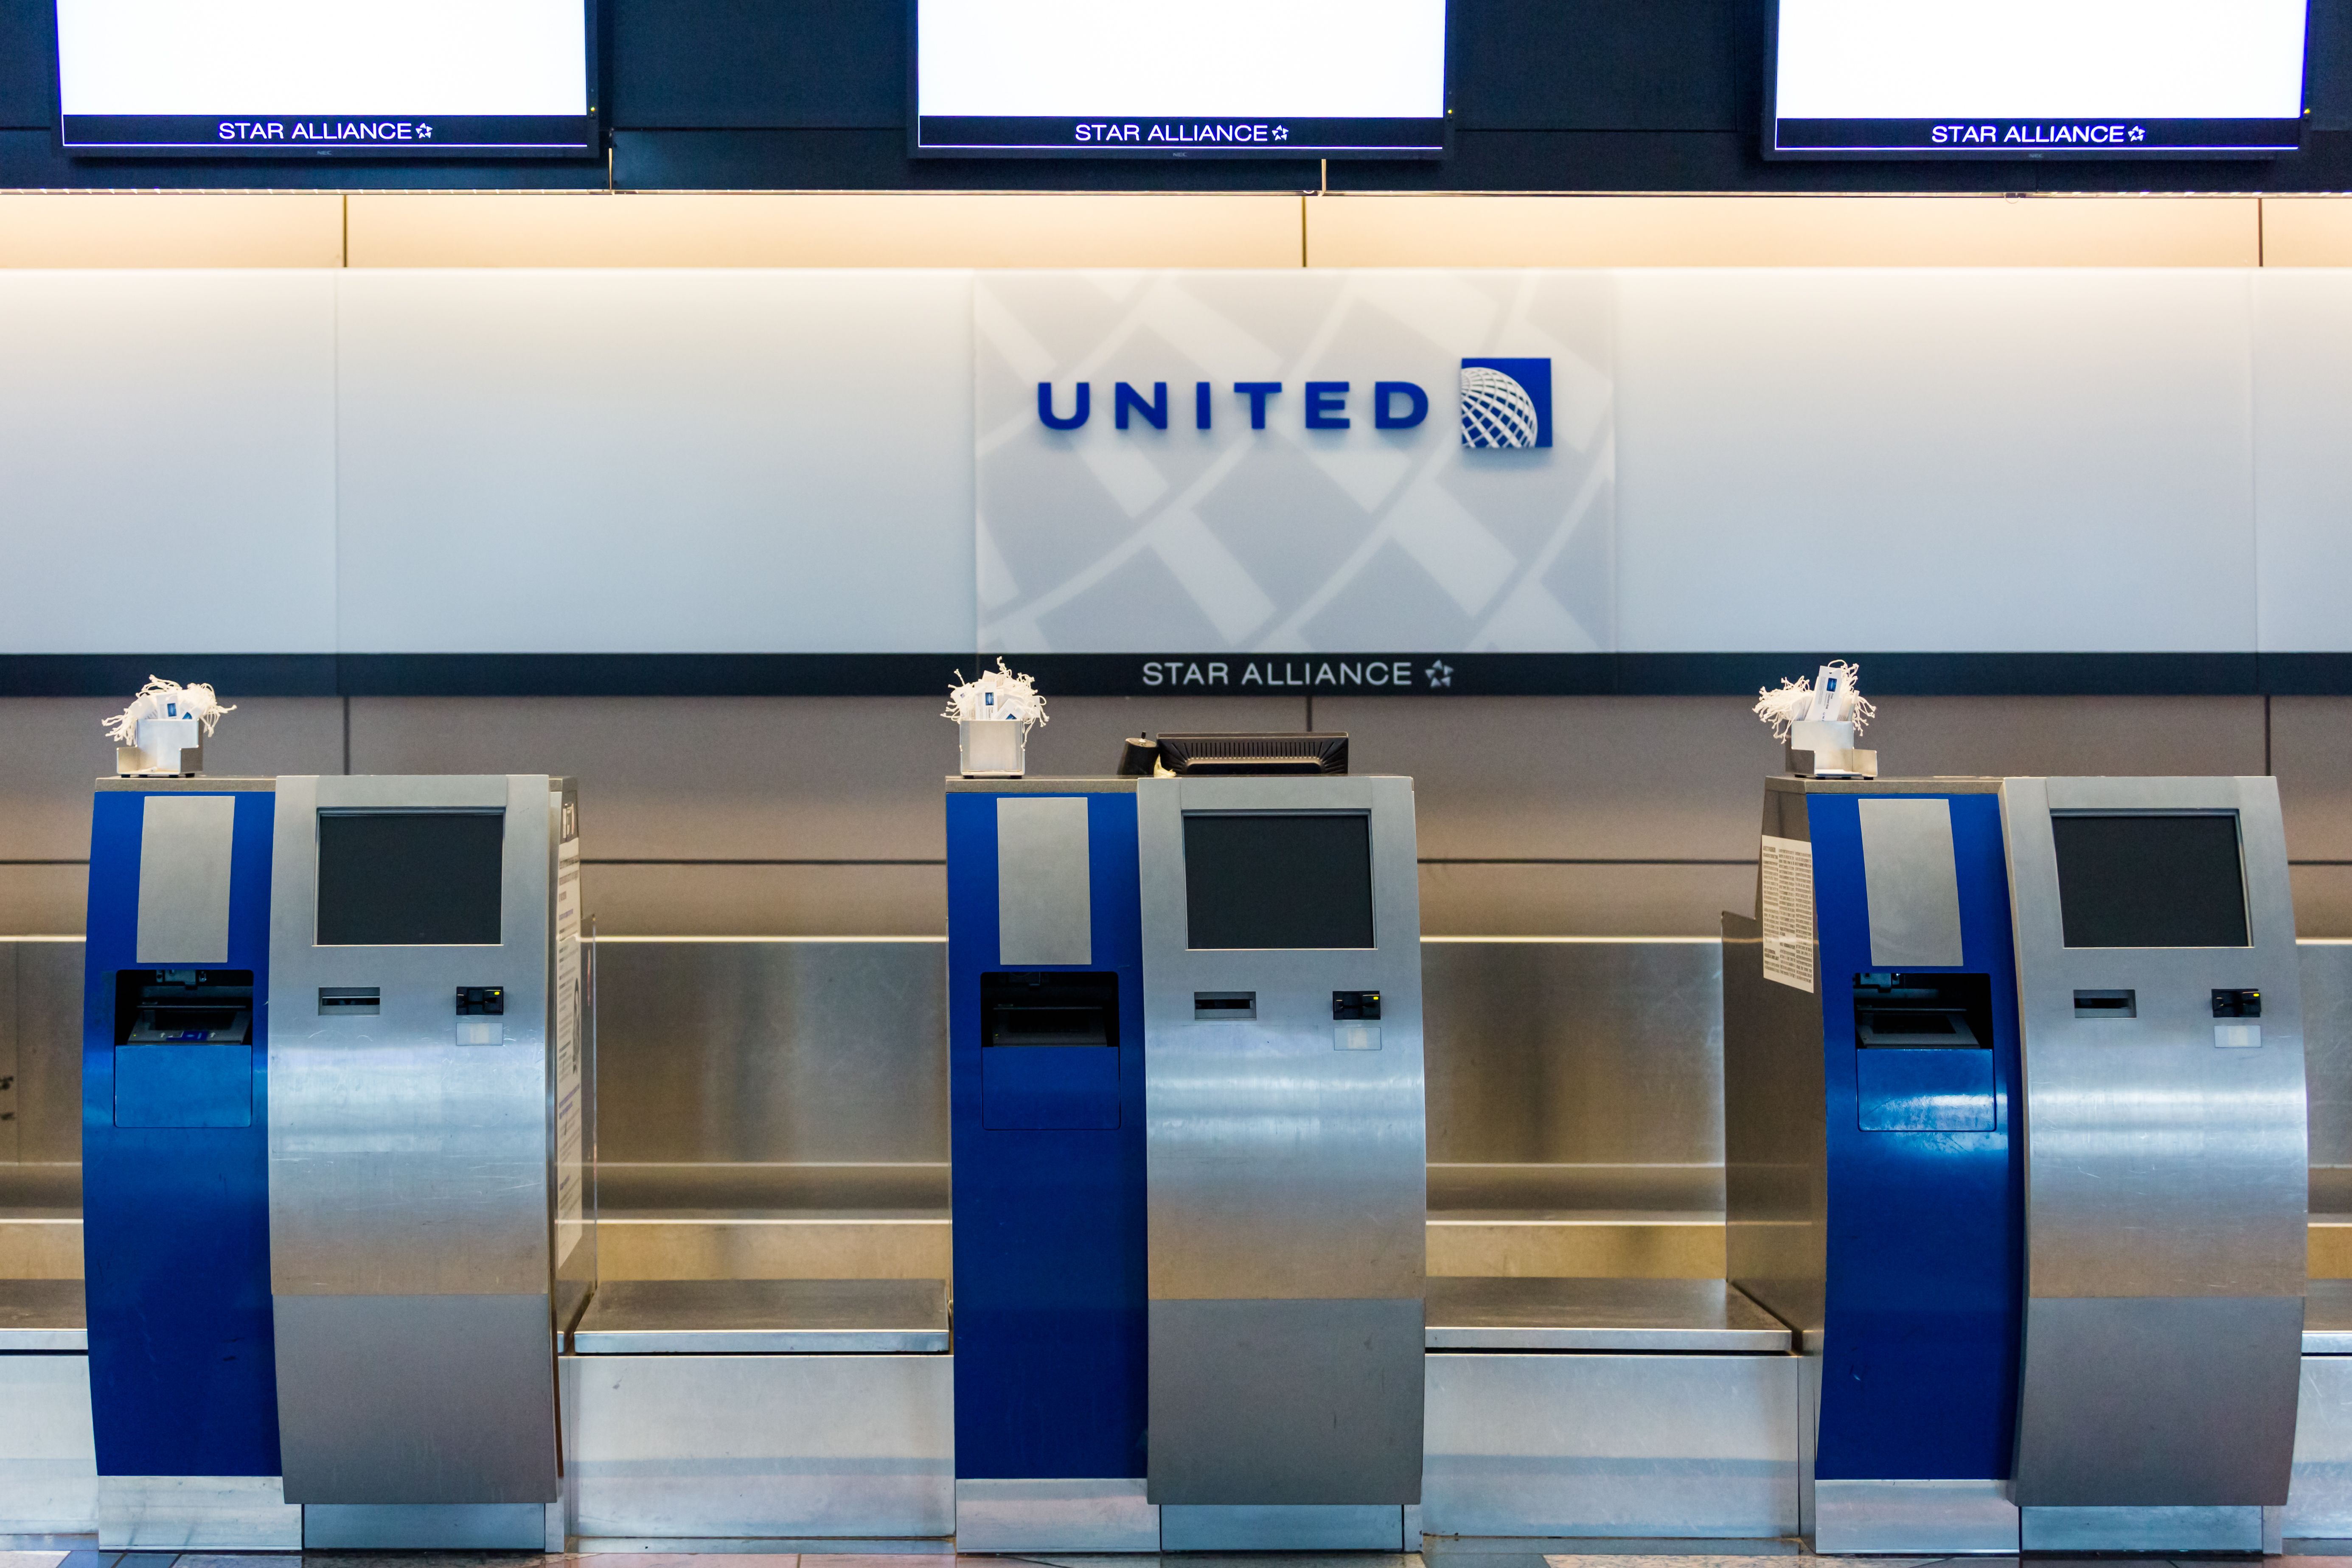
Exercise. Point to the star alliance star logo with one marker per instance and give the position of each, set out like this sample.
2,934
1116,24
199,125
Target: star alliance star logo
1281,133
1439,674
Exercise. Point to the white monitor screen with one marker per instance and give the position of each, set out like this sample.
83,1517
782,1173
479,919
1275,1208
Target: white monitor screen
2037,77
408,78
1272,78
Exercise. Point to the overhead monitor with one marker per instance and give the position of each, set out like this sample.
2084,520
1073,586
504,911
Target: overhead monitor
1277,880
2150,880
2035,78
409,79
1281,79
410,879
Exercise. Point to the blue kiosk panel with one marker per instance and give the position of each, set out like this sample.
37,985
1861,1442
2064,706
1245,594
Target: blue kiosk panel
1048,1162
174,1160
1926,1174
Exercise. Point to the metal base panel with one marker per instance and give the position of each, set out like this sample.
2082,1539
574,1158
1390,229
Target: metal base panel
1286,1403
1091,1515
48,1466
1939,1519
1614,1446
476,1526
198,1513
2319,1501
1281,1527
2140,1529
680,1446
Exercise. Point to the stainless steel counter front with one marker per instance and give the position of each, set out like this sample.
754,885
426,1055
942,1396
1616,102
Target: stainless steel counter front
2328,1318
42,1315
1508,1314
765,1317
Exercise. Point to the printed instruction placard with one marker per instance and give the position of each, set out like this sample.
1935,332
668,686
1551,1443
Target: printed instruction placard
1786,880
570,1139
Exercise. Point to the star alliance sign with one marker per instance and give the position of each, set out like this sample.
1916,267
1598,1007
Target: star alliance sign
1506,402
1195,133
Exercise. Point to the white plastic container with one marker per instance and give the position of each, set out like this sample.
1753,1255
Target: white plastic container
993,748
167,747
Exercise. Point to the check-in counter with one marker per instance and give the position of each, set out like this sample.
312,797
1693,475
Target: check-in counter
1658,1408
769,1096
48,1465
760,1409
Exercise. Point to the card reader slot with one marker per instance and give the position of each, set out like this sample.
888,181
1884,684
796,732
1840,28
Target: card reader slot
2106,1004
1224,1006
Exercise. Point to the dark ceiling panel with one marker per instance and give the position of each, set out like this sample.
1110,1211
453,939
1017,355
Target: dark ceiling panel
29,71
1608,65
751,64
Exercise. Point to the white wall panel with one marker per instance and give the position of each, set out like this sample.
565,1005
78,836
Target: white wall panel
1934,460
167,461
655,461
2303,458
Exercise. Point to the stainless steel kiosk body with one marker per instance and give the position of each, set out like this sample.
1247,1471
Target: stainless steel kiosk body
1286,1160
428,1237
2166,1161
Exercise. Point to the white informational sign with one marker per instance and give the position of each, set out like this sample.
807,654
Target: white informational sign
2179,60
1280,77
565,1006
2010,77
307,77
1286,462
1786,881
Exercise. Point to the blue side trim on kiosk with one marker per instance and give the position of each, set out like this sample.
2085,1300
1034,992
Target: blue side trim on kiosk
1926,1244
175,1188
1048,1183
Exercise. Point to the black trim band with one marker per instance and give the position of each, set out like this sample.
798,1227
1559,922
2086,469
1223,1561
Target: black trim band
1178,675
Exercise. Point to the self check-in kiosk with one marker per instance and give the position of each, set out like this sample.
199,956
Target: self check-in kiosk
2167,1173
334,1155
2015,1135
428,1236
1189,1160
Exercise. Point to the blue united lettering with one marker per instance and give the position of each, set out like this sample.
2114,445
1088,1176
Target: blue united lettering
1320,404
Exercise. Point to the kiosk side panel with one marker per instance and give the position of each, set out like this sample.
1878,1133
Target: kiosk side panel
175,1152
1925,1189
1045,1086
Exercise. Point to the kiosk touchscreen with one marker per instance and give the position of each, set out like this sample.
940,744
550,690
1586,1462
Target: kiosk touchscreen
426,1234
2166,1174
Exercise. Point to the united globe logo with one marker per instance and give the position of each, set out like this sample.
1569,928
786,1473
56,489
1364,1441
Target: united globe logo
1506,403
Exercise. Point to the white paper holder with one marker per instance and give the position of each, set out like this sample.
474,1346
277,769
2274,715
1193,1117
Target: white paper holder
992,748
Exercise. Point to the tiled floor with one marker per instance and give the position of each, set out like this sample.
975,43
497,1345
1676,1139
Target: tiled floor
1463,1555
